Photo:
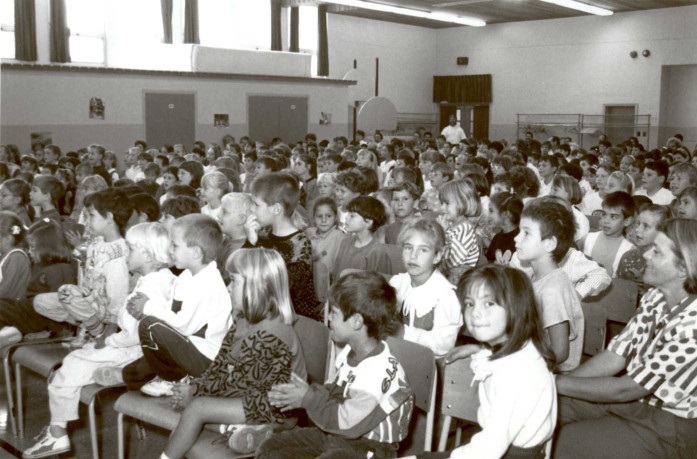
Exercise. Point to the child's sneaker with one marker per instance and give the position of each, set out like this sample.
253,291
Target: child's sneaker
47,445
79,341
9,335
108,376
158,388
245,439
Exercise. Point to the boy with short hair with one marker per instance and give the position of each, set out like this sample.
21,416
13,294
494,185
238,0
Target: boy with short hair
365,410
405,197
347,187
547,168
607,246
46,192
543,241
653,178
185,338
275,197
363,250
94,304
176,207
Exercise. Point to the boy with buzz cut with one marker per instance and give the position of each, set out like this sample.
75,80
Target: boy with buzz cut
607,246
275,197
365,410
543,241
94,304
362,250
184,339
405,197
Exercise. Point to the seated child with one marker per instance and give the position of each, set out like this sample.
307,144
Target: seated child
517,394
145,209
234,210
632,264
186,335
430,313
608,245
259,351
687,203
149,256
349,185
213,186
326,239
543,241
568,189
94,304
405,197
174,208
362,250
276,197
365,410
15,265
46,192
504,213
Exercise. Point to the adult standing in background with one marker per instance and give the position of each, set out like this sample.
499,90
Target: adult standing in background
453,133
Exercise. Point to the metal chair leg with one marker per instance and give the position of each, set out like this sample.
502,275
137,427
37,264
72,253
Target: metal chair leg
93,429
120,439
20,407
10,396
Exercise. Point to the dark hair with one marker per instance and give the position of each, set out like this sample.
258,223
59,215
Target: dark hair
369,295
179,189
445,169
371,183
660,167
571,186
555,220
179,206
552,160
278,188
621,200
11,225
145,204
19,188
351,179
370,209
510,203
50,244
270,162
195,169
114,201
513,291
53,186
325,201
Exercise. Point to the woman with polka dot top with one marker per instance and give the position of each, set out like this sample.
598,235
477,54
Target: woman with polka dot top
638,398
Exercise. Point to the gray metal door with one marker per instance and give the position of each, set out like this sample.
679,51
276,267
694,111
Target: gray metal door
277,116
170,118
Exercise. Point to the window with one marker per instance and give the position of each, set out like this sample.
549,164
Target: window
308,33
7,29
85,19
240,24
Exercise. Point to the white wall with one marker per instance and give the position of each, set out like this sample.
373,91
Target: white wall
572,65
679,103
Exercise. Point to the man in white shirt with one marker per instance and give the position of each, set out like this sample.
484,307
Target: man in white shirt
453,133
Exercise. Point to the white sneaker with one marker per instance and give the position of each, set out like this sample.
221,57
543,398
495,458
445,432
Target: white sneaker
9,335
47,445
246,438
158,388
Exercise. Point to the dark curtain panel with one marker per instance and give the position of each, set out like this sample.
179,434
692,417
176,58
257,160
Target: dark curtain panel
191,22
294,29
25,30
276,40
167,19
481,122
462,89
323,46
60,34
445,112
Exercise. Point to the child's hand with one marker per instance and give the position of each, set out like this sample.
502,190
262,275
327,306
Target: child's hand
73,237
136,303
181,396
462,352
251,229
288,396
442,220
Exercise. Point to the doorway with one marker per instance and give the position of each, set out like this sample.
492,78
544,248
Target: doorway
473,119
277,116
620,122
170,118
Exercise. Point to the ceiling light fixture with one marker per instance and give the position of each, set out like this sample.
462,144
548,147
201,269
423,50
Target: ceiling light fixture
444,17
581,7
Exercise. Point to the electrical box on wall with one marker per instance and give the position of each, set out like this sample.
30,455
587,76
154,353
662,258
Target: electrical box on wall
463,60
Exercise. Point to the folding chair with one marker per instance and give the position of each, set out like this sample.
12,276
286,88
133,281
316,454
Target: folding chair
616,304
420,367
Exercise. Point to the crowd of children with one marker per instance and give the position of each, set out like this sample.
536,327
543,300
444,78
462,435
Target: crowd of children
411,238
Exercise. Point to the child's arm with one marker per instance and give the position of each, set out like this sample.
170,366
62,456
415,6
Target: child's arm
251,229
16,273
117,280
463,249
559,340
586,275
447,321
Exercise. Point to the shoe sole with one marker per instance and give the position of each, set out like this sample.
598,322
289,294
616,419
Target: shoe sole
156,394
52,452
248,438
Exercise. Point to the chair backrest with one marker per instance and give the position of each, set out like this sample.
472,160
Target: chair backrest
595,324
460,398
314,340
395,253
621,300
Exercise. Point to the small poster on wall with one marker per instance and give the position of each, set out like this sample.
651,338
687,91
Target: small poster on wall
325,118
221,120
96,108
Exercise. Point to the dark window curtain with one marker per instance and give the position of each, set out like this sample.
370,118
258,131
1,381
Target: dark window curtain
167,6
191,22
60,35
445,112
481,122
294,29
25,30
462,89
276,40
323,46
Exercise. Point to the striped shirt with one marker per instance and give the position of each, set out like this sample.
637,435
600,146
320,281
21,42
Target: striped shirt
461,246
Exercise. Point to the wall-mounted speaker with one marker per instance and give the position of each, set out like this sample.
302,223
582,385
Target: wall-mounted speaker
463,60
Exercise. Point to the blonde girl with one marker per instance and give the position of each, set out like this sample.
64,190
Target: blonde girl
619,181
325,184
14,197
687,203
260,350
459,201
15,266
214,186
368,158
